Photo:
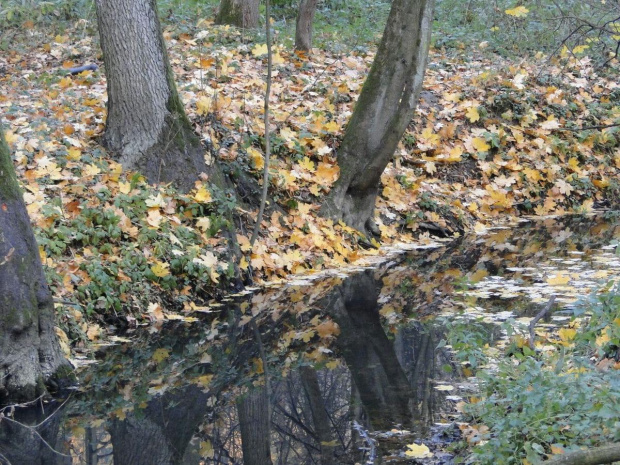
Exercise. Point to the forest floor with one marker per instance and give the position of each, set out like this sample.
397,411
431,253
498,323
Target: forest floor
492,140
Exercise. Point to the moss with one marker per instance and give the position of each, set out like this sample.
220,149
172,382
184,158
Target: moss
9,189
63,378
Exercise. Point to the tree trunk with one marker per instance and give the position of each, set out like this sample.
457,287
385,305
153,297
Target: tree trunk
303,29
159,435
382,113
31,362
381,382
240,13
146,126
255,427
320,419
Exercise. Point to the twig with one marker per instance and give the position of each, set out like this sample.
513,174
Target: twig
263,199
369,441
537,318
67,302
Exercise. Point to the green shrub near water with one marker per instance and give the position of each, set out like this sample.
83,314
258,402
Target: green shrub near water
538,404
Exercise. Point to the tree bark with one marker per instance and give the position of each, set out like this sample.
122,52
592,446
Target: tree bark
31,362
240,13
255,427
320,419
146,127
382,113
303,27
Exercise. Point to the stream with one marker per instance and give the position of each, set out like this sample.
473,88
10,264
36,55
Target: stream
345,367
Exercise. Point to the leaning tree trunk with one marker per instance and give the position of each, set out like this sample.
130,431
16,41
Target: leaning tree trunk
303,27
146,126
240,13
382,113
31,362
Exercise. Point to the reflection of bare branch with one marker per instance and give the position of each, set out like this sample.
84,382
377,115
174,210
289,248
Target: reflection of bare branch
368,440
537,318
36,433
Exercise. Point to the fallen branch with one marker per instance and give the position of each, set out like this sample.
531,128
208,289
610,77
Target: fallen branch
537,318
588,128
605,454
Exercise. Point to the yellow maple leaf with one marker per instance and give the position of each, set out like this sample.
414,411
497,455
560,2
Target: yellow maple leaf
74,154
480,144
580,49
307,164
91,170
332,126
202,195
327,173
257,159
472,114
518,12
203,105
154,217
259,50
603,338
276,58
328,328
559,279
567,334
160,355
203,224
429,136
244,243
160,269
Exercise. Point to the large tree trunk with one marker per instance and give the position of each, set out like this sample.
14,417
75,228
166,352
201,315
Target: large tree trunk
382,113
31,362
240,13
303,27
146,125
255,427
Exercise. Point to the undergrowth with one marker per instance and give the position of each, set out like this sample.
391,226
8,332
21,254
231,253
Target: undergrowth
560,398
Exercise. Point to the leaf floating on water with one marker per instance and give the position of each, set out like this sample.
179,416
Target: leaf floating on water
418,451
444,387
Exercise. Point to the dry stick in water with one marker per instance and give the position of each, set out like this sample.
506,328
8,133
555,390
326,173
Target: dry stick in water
537,318
263,199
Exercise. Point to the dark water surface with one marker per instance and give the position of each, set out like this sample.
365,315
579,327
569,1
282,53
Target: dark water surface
339,369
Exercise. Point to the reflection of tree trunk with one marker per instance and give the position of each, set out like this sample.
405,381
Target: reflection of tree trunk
22,444
255,425
161,433
320,419
303,29
383,386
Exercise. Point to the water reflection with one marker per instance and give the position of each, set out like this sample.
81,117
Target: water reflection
282,376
